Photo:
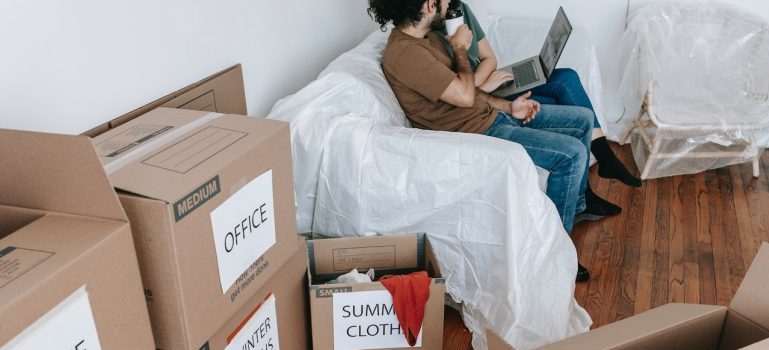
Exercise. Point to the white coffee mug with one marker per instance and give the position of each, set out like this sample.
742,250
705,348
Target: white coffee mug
452,25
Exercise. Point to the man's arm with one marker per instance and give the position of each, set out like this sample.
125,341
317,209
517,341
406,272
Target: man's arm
521,108
461,90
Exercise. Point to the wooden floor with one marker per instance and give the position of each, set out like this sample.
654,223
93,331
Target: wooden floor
678,239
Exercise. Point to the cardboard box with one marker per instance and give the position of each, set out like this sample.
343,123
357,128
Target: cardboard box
333,307
762,345
211,204
276,317
222,92
689,326
69,278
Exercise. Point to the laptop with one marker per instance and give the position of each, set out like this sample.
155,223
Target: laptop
535,71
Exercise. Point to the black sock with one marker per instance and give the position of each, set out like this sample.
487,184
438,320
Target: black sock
597,204
609,166
582,273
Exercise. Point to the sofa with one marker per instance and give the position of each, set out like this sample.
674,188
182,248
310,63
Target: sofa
359,170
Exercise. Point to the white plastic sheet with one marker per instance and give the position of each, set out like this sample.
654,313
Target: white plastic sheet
498,239
707,66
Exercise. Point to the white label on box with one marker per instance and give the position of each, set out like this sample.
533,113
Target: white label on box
68,326
367,320
260,332
243,228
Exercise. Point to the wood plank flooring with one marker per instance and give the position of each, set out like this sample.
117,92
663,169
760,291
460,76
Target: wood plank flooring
685,239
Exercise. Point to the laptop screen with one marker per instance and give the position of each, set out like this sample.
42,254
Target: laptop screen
555,42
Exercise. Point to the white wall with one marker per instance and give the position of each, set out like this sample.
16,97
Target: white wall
604,20
66,66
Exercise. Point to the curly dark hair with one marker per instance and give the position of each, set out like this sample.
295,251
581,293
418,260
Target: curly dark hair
397,11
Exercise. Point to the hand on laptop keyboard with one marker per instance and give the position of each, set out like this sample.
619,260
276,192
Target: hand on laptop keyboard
497,79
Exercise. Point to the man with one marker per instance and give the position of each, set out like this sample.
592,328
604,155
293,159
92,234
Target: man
437,97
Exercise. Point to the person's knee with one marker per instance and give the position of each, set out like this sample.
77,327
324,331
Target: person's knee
577,148
574,154
585,118
570,73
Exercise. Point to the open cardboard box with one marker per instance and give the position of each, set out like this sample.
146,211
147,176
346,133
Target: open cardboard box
222,92
69,277
211,204
337,310
687,326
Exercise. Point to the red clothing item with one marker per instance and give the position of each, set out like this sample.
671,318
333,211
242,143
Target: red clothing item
410,294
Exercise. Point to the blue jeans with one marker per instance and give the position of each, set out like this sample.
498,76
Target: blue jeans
557,140
563,88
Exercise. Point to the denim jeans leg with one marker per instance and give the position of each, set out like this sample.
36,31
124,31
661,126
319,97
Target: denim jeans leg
563,88
561,154
573,121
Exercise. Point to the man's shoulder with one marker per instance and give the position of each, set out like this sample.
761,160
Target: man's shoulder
400,44
399,41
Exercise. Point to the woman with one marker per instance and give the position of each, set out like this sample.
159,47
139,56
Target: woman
563,88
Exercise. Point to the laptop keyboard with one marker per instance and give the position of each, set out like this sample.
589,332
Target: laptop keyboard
525,73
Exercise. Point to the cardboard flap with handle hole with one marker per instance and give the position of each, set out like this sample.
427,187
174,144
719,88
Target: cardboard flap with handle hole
56,173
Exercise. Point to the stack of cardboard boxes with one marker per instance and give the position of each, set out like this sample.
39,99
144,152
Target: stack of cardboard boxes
175,229
211,242
69,278
210,201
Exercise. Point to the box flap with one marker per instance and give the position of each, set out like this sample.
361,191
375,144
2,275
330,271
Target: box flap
15,218
750,300
762,345
222,92
56,173
390,254
671,326
739,331
167,153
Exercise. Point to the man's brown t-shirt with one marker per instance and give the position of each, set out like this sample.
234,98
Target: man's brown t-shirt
419,70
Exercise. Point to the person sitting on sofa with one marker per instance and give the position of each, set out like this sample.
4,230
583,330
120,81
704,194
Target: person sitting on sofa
563,88
434,96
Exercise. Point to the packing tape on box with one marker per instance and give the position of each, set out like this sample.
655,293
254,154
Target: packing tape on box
156,143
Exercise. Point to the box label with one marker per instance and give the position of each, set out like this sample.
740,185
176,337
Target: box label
259,332
68,326
129,139
329,292
243,228
195,149
14,262
367,320
248,277
346,259
197,198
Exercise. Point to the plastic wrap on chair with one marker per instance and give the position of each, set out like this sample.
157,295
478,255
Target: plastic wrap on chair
703,71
